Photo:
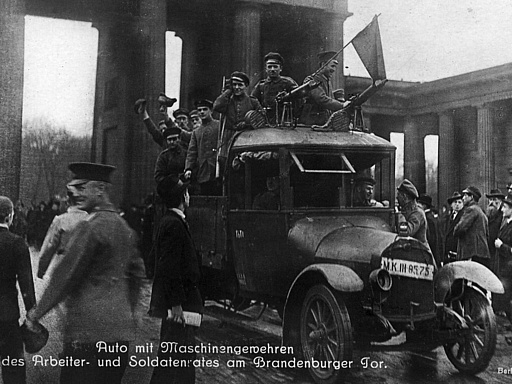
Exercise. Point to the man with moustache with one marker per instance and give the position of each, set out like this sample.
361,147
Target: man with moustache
171,161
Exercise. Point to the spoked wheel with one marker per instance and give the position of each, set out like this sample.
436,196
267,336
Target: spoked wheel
474,346
325,333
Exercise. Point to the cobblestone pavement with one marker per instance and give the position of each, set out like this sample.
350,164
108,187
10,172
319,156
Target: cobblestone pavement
221,328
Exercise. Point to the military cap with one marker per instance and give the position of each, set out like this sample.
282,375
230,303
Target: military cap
193,113
365,179
455,196
495,193
166,101
240,76
181,112
274,57
425,199
326,56
203,103
84,172
474,191
409,188
171,131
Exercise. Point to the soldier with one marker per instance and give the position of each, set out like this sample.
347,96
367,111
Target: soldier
363,192
425,202
58,234
320,102
267,89
413,221
156,133
14,267
99,281
472,230
195,119
234,104
175,287
171,161
182,119
202,150
494,218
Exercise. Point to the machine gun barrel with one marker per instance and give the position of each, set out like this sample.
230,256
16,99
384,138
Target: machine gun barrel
367,93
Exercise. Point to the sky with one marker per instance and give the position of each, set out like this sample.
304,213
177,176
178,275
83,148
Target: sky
423,40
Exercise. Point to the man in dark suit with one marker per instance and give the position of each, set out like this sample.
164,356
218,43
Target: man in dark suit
472,230
175,285
503,245
495,217
448,224
14,266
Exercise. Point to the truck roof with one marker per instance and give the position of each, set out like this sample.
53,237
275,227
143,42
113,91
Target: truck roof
305,138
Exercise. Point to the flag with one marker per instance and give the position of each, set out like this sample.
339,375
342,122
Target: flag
369,48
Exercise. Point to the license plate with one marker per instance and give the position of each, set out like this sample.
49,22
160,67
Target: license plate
408,268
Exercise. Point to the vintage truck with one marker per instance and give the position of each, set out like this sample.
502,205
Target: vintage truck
340,275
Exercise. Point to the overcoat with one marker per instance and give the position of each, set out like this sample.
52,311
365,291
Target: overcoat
472,232
416,223
202,151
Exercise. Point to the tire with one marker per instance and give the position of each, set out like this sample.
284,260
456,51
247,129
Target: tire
325,333
473,349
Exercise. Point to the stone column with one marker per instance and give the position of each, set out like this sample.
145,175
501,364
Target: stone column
484,138
334,42
448,166
414,154
189,65
12,34
247,39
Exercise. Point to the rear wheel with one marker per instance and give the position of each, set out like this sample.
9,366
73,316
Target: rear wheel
325,333
474,346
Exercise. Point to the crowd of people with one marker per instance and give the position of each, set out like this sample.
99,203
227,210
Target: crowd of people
90,254
463,231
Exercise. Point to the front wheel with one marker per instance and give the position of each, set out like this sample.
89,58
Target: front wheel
474,345
325,334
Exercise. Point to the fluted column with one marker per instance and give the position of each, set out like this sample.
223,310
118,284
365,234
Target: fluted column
247,39
447,169
12,32
485,147
414,154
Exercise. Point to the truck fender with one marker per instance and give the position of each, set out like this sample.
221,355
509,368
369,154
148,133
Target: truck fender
468,270
340,277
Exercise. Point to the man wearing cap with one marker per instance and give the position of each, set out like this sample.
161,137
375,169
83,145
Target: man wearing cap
472,230
509,190
195,119
15,267
98,280
171,161
267,89
494,218
59,233
175,286
182,120
425,203
413,222
320,103
234,104
503,245
363,193
449,222
202,150
164,103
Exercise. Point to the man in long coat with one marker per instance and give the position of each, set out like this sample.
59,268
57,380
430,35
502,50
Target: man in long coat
99,280
495,217
448,224
472,230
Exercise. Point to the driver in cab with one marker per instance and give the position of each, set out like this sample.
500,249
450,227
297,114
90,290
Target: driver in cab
363,193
